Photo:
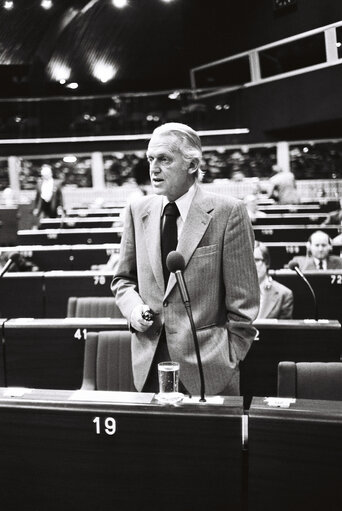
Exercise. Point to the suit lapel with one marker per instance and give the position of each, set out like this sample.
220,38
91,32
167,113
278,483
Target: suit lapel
194,228
151,222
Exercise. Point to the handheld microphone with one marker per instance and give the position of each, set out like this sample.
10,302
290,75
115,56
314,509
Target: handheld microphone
12,258
293,265
175,264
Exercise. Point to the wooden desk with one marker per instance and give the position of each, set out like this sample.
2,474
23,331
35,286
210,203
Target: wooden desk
79,223
56,454
49,353
21,295
328,289
287,233
295,456
59,286
65,257
69,236
291,218
279,340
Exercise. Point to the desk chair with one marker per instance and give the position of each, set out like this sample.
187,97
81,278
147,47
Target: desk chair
92,307
108,362
310,380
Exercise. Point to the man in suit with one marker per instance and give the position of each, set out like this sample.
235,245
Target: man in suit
276,300
318,255
215,237
49,196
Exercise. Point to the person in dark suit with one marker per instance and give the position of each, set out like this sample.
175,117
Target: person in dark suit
319,256
276,300
49,196
215,237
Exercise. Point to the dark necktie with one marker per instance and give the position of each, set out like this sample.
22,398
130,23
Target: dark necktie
320,265
169,235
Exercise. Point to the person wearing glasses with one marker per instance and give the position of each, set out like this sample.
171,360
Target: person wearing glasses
276,300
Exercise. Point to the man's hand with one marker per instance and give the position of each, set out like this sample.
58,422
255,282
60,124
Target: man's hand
137,320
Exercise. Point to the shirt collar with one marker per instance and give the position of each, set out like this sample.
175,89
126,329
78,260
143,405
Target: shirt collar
183,202
317,261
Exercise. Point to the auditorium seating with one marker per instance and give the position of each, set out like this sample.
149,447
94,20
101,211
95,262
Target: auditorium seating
279,340
49,353
59,286
107,361
310,380
92,307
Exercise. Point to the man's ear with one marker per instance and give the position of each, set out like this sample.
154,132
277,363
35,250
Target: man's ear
194,166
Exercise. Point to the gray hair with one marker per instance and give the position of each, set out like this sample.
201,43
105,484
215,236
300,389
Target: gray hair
190,143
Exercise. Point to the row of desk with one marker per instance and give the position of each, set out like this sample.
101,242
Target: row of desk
49,353
84,451
70,222
265,233
45,294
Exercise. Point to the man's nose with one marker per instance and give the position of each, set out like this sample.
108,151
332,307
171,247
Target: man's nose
154,167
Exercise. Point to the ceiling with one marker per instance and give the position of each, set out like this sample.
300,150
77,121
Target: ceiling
150,45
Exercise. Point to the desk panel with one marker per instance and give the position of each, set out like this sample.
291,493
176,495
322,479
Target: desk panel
295,456
152,461
328,289
69,236
79,223
273,233
47,353
291,219
278,340
21,295
59,286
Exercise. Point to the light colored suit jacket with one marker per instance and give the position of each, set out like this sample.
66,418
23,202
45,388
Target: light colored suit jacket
308,263
276,302
217,243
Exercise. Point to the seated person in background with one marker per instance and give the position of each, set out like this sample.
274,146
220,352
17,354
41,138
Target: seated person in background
276,300
318,255
334,217
251,202
283,188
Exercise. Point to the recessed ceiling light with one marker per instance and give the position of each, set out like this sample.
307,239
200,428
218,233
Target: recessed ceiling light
72,85
46,4
120,3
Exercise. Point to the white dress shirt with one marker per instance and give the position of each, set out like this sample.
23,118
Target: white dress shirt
183,205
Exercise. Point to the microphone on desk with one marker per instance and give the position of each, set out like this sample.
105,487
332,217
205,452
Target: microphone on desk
175,264
13,258
293,265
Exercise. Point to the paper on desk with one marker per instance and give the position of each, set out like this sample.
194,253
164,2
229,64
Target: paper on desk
16,391
111,396
280,402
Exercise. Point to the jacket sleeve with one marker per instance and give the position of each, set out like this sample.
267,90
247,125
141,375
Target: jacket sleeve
286,311
124,284
241,281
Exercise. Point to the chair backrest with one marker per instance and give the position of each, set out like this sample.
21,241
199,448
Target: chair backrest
108,361
93,307
310,380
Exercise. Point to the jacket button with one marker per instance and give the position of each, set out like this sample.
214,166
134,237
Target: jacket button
166,303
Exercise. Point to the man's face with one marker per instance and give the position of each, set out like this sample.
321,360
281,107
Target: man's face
260,264
169,171
320,246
